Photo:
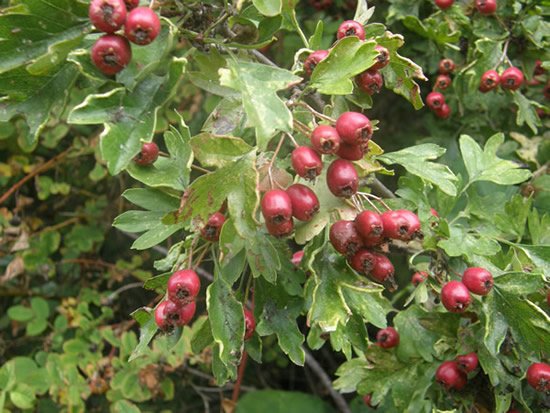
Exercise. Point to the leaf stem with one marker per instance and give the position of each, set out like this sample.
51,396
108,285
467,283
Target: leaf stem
316,113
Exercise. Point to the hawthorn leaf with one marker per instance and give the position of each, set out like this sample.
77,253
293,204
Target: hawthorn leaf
202,335
148,329
268,7
208,77
350,373
151,199
262,256
431,28
218,151
526,112
463,241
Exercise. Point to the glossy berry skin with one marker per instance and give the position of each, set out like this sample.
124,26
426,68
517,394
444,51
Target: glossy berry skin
446,66
249,323
178,315
325,139
443,112
478,280
342,178
388,337
511,79
383,269
443,82
297,258
142,26
213,228
415,230
344,237
486,7
538,376
435,100
363,261
467,362
183,286
444,4
305,204
107,15
489,81
350,152
160,317
111,53
148,155
350,28
419,277
281,229
455,297
314,59
276,207
369,224
186,312
382,59
449,376
354,128
370,81
401,224
306,162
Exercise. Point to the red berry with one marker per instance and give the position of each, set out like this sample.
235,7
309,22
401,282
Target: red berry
388,337
478,280
249,323
382,59
350,152
401,224
306,162
446,66
455,297
344,237
276,207
415,230
367,400
363,261
450,376
314,59
489,81
281,229
183,286
369,225
467,362
444,4
142,26
383,269
486,6
107,15
148,155
305,204
342,178
213,228
511,78
539,70
297,258
160,317
325,139
419,277
354,128
443,112
179,315
435,100
538,376
131,4
351,28
111,53
434,212
186,313
442,82
370,81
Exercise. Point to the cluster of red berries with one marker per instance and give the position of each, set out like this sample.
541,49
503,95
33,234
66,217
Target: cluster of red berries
454,374
112,52
485,7
510,79
370,81
455,295
435,100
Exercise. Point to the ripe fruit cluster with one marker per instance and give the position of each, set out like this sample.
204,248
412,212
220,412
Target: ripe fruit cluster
453,375
112,52
510,79
435,100
455,295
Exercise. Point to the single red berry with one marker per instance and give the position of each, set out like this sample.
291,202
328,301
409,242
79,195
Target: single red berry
297,258
363,261
369,225
148,155
478,280
443,112
442,82
344,237
370,81
388,337
249,323
354,128
444,4
342,178
350,152
313,60
160,317
305,204
142,26
511,78
306,162
325,139
187,312
383,269
467,362
446,66
540,113
373,241
435,100
172,314
111,53
401,224
131,4
367,399
449,376
280,229
434,213
419,277
486,6
213,228
546,91
107,15
183,286
489,80
382,59
415,230
455,297
538,376
539,70
351,28
276,207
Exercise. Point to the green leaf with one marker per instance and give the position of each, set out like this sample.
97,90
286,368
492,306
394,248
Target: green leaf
268,7
202,335
317,37
146,333
20,313
36,326
262,256
218,151
433,29
22,396
124,406
527,112
158,281
258,85
282,402
415,160
363,13
486,166
468,243
152,199
208,78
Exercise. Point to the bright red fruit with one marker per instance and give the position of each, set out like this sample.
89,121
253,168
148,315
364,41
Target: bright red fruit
354,128
370,81
486,6
325,139
344,237
369,224
276,207
442,82
415,230
281,229
478,280
489,81
342,178
183,286
111,53
446,66
538,376
178,315
450,376
107,15
419,277
160,317
350,152
434,213
511,79
314,59
305,204
435,100
213,228
443,112
388,337
401,224
455,297
297,258
383,269
306,162
249,323
142,26
467,362
148,155
186,313
363,261
351,28
382,59
444,4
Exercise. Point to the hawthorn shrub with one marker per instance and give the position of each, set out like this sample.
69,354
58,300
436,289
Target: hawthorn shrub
281,151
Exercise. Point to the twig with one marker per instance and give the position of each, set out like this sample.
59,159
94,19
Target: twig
203,397
379,188
272,161
304,129
240,375
198,168
316,113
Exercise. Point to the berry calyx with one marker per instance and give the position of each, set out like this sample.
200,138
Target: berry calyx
281,229
383,269
148,155
342,178
178,315
344,237
435,100
142,26
478,280
511,79
370,81
442,82
107,15
350,28
382,59
305,204
313,60
538,376
486,7
419,277
325,139
276,207
489,80
363,261
443,112
350,152
354,128
306,162
449,376
369,224
388,337
444,4
249,323
183,286
446,66
213,228
467,362
111,53
455,297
